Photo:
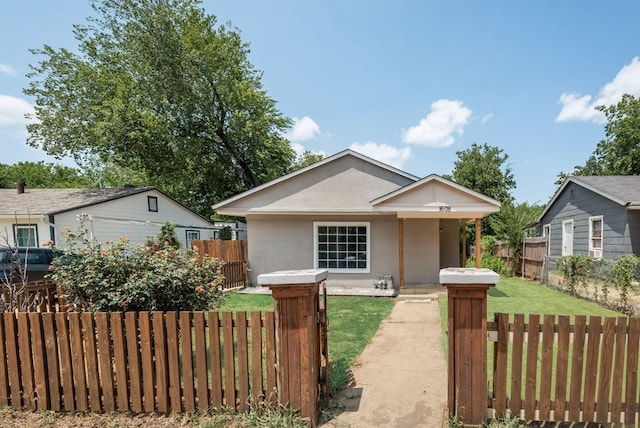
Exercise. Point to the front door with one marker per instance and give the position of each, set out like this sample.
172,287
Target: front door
567,237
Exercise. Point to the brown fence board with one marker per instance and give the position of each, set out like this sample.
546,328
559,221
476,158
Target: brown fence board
91,361
24,351
216,360
605,369
173,361
257,385
120,362
548,332
104,361
243,361
501,356
146,361
133,359
617,381
531,377
65,362
515,403
77,362
591,372
632,371
229,361
4,376
270,350
562,368
39,364
202,386
577,367
160,359
187,362
51,352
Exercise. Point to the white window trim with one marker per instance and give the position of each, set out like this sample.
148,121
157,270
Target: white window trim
591,247
34,234
366,224
562,251
186,236
546,231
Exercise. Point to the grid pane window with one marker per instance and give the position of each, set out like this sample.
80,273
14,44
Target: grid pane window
595,233
342,247
25,236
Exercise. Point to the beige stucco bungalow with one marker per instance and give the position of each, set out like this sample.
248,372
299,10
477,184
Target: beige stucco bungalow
358,218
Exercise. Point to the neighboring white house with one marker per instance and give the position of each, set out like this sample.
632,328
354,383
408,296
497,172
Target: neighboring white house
358,218
31,217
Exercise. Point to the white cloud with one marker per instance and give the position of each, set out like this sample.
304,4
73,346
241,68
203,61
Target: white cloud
435,130
486,118
582,107
303,129
6,69
383,153
13,109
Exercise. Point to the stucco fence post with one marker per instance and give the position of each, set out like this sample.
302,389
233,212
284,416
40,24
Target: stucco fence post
467,327
298,348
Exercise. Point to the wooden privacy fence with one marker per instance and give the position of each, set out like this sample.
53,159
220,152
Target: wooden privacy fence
234,254
555,370
138,362
534,250
229,251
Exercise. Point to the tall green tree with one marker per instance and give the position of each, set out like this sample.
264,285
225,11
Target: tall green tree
482,168
619,152
42,175
512,223
158,86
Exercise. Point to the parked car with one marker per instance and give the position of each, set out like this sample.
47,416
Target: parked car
34,262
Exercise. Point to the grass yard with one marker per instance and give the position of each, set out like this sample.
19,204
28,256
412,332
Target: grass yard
352,323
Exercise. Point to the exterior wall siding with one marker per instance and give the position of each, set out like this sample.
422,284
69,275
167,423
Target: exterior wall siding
286,242
130,217
6,229
578,204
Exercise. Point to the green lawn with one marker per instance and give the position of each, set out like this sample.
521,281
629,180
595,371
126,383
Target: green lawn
352,323
515,295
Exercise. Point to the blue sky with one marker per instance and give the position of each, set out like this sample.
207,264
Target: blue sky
407,82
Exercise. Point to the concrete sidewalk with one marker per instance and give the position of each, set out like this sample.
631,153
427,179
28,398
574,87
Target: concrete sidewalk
400,380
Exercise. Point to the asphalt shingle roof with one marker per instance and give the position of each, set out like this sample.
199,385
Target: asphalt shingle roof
624,188
51,201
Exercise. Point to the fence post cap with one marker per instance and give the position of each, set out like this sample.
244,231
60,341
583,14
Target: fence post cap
284,277
468,276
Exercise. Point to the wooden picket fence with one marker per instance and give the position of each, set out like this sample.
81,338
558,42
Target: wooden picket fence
557,371
534,250
136,362
38,296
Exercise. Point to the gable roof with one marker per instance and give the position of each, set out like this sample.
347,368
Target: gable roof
56,201
621,189
315,166
437,197
351,183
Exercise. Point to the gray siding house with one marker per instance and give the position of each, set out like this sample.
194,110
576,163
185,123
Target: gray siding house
597,216
358,218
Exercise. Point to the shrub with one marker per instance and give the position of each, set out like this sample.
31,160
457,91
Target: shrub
576,269
117,277
623,273
167,236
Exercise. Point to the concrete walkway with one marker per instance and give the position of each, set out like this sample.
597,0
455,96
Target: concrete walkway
400,380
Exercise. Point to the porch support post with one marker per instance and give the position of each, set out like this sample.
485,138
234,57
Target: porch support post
464,244
297,338
401,251
467,334
478,242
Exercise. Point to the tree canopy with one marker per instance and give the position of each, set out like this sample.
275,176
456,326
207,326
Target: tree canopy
482,168
619,152
42,175
159,87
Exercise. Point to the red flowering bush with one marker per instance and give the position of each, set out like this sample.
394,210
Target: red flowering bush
117,277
